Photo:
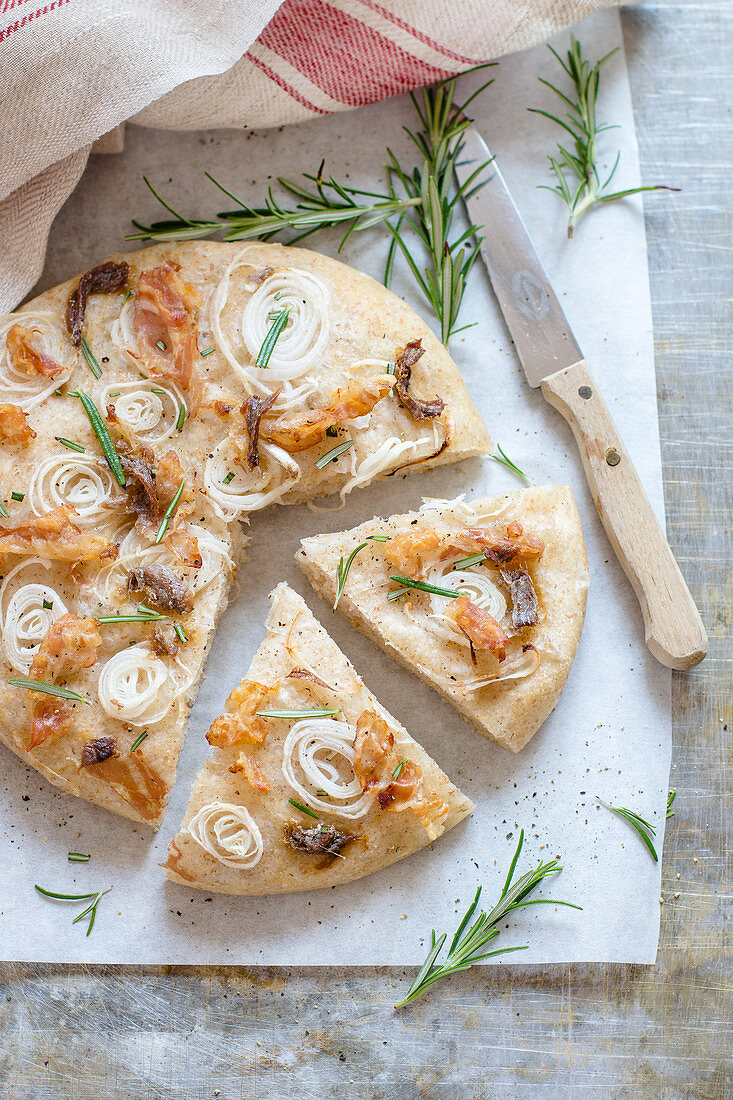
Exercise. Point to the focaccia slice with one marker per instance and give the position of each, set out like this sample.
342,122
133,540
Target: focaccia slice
500,650
296,803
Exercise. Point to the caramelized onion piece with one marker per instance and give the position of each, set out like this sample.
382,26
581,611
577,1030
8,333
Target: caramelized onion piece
418,409
481,628
240,724
54,535
104,279
23,356
14,426
50,718
253,410
298,433
252,772
410,553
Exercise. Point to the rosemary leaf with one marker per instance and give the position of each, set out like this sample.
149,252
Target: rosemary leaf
48,689
78,857
670,799
70,444
169,512
100,430
90,358
294,715
268,344
334,453
138,741
303,809
423,586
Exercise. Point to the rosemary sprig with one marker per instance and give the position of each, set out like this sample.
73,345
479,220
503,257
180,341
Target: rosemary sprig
579,183
422,198
48,689
334,453
90,911
671,795
644,828
470,938
439,143
503,459
423,586
330,204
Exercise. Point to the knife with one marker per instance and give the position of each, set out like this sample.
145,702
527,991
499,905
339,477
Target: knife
552,360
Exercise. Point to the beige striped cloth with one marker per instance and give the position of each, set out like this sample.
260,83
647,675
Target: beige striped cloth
73,71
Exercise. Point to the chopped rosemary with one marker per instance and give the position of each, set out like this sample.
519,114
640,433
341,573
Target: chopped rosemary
670,799
180,419
465,947
334,453
48,689
398,770
645,830
78,857
303,809
268,344
48,605
160,345
206,351
342,572
88,354
468,563
90,911
156,389
397,593
169,512
228,477
293,715
578,181
17,496
503,460
3,510
115,393
180,632
391,368
423,586
70,444
138,741
100,430
128,295
378,538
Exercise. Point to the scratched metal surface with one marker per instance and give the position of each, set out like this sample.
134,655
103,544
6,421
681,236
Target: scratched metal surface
74,1033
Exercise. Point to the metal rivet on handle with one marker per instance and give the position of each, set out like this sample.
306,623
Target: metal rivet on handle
613,457
585,391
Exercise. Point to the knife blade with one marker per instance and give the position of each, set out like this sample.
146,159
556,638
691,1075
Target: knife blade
552,360
534,317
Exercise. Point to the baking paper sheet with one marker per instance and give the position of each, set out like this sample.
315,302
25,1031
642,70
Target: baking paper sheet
610,733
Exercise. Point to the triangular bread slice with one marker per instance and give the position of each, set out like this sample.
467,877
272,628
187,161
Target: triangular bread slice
507,700
258,823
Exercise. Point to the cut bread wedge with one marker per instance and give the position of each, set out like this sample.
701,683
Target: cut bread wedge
291,802
500,644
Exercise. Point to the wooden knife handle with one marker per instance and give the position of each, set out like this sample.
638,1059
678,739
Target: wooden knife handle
674,630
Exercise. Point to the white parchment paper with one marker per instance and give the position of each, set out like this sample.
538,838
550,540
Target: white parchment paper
610,733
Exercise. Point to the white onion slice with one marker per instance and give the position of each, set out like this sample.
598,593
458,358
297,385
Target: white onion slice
123,335
313,743
476,586
518,664
302,342
79,480
383,458
30,390
248,490
146,407
26,621
227,832
131,684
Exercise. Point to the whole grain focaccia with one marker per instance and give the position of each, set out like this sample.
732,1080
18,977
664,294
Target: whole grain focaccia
145,408
483,600
311,783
